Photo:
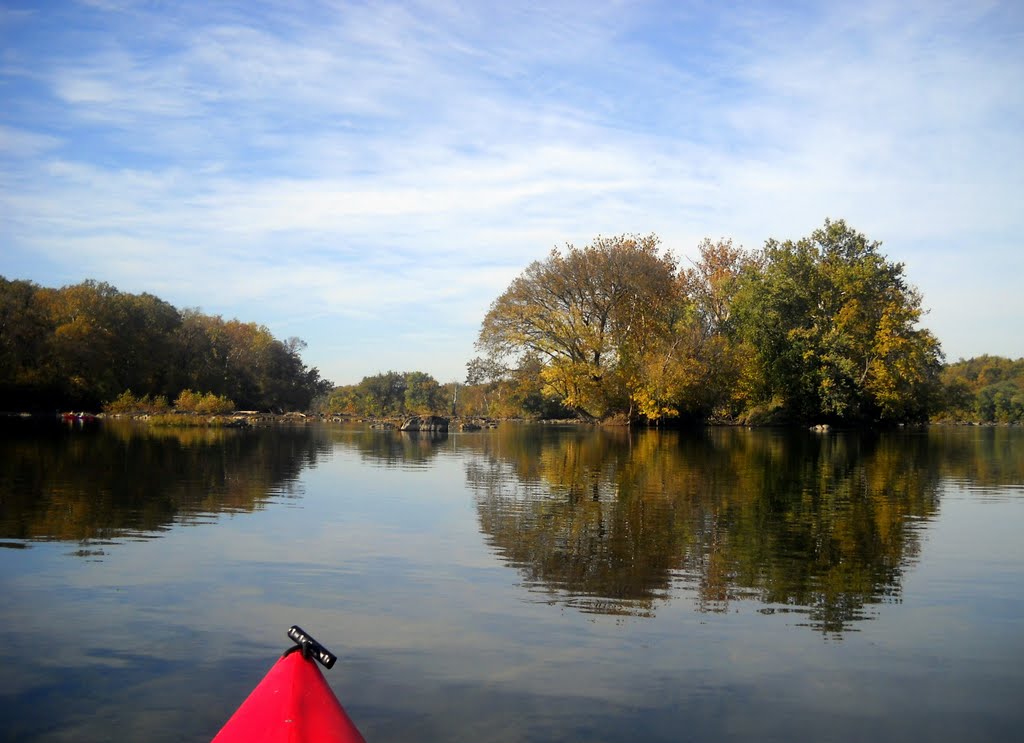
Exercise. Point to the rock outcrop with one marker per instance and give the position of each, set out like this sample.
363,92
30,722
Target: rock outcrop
432,423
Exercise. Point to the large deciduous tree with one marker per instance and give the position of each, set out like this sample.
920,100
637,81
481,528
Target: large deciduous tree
589,313
833,326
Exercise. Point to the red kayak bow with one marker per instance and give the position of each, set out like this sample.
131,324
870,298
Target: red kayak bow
293,702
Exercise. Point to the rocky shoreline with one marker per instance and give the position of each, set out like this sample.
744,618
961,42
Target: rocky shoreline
429,423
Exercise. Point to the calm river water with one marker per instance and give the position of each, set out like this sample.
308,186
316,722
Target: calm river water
529,583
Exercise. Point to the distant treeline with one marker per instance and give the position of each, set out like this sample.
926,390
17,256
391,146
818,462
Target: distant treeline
85,345
397,394
985,389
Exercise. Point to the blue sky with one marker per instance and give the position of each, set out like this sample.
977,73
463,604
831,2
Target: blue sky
371,176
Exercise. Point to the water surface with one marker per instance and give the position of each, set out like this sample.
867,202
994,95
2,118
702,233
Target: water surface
529,583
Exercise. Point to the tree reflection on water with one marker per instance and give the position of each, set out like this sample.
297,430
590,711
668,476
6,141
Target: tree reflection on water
619,521
130,481
605,520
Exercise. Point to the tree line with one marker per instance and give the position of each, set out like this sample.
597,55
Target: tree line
517,394
985,389
87,344
822,329
391,394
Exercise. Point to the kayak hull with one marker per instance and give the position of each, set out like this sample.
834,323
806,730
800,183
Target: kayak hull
292,704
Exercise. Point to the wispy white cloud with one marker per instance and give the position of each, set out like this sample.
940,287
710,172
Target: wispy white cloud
345,169
20,143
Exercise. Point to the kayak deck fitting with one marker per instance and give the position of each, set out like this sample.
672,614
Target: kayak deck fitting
293,702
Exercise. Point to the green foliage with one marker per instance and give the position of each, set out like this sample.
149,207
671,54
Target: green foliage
524,391
390,394
382,394
501,392
423,394
833,328
1002,403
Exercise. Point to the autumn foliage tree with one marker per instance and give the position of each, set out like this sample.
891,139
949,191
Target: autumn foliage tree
588,313
692,367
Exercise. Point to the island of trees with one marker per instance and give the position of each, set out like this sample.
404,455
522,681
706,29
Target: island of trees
824,329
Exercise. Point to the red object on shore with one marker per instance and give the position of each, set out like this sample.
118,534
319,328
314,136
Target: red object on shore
292,703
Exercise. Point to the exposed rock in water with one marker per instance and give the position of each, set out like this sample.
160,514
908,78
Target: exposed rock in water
475,424
426,423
